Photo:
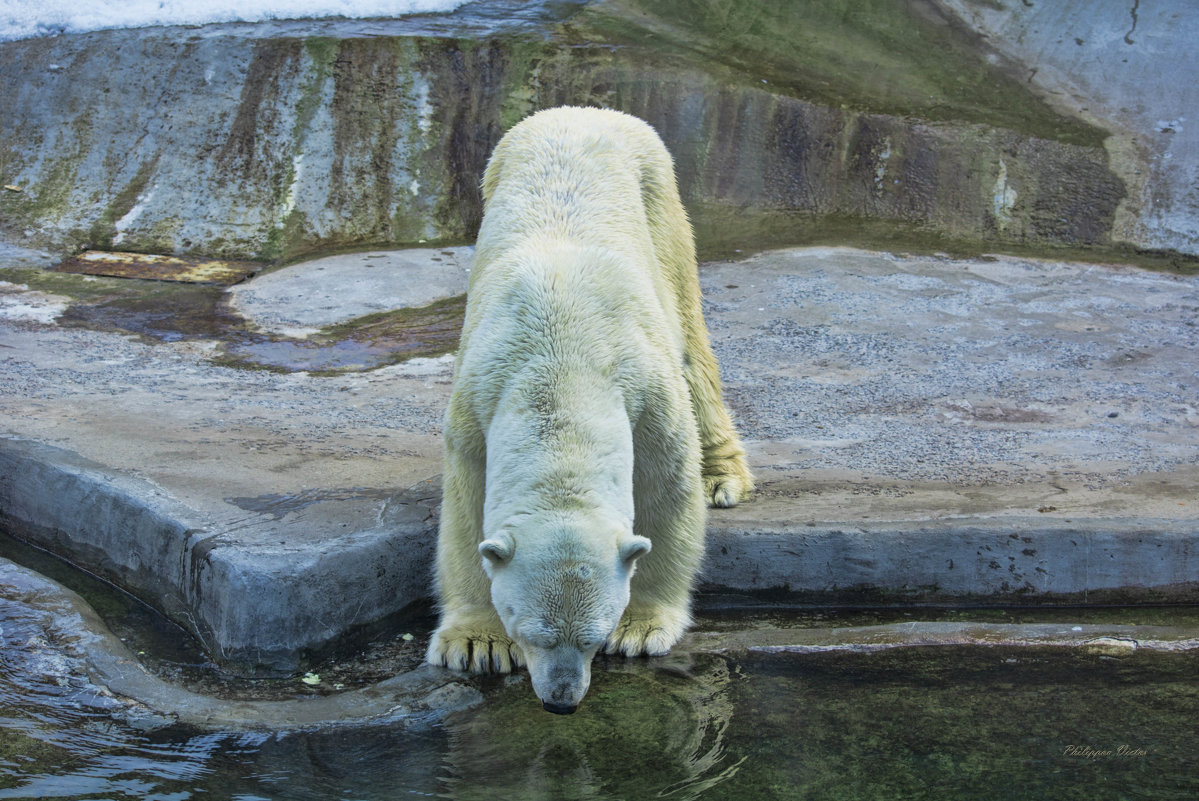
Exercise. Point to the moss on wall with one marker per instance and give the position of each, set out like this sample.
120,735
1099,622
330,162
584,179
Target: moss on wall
277,147
897,57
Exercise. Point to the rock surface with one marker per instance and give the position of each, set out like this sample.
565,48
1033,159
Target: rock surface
1117,65
923,428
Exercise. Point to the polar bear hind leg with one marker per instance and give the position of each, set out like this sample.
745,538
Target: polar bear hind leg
726,474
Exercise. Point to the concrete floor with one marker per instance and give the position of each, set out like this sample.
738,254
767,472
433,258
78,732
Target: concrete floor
923,429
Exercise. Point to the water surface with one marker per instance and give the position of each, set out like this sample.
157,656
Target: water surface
933,722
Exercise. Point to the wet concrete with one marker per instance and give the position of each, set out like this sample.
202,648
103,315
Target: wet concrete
367,327
924,429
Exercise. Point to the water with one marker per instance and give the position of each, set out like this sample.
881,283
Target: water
911,723
368,342
969,723
933,722
172,312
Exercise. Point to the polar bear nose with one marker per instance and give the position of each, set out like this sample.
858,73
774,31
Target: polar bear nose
559,709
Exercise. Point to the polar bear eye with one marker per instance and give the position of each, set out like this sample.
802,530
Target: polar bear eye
541,640
539,636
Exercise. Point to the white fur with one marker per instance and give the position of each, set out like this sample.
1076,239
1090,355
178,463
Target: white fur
585,430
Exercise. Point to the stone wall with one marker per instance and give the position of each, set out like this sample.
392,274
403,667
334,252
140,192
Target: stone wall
272,142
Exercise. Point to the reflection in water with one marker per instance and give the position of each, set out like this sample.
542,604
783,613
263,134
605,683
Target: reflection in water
641,733
968,723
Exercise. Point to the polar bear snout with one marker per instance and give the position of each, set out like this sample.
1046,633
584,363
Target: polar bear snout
560,677
558,709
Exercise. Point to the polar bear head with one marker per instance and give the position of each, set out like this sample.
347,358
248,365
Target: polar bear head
560,586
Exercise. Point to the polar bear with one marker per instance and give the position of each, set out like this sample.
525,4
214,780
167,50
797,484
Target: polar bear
585,433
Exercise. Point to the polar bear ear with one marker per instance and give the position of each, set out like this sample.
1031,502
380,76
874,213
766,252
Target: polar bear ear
498,549
633,547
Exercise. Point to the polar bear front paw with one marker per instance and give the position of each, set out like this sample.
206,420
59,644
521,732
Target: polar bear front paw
474,648
644,635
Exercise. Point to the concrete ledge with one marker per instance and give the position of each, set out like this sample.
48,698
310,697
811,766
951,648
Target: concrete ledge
423,696
265,605
122,528
1016,559
414,698
923,430
252,604
1114,640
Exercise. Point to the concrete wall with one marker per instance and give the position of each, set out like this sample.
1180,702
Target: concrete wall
275,141
1128,67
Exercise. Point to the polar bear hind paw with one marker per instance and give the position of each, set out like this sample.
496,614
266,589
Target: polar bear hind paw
474,649
726,475
725,490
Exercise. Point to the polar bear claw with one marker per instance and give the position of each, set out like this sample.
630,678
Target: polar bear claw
475,649
646,633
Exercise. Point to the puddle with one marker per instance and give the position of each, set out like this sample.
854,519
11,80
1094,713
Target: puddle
165,312
368,342
168,311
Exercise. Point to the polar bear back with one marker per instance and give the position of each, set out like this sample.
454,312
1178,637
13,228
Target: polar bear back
592,177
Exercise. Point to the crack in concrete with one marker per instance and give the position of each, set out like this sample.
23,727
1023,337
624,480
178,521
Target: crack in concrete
1136,5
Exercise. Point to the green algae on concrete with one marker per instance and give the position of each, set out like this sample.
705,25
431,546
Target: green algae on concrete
76,287
289,144
885,56
750,147
292,227
104,229
367,150
724,231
